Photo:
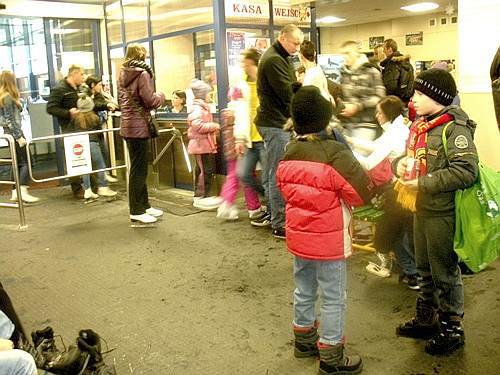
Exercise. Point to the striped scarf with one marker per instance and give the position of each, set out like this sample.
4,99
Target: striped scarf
416,151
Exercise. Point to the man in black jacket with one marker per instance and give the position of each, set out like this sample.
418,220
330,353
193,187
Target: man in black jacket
62,105
274,88
397,73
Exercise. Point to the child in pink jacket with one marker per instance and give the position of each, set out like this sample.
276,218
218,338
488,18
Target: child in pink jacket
203,145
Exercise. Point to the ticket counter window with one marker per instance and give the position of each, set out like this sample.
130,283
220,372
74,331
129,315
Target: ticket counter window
181,58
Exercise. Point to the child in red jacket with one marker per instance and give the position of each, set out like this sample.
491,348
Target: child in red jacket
320,181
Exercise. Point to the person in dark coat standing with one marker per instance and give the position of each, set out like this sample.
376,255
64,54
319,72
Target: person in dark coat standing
397,72
430,173
137,98
274,88
62,105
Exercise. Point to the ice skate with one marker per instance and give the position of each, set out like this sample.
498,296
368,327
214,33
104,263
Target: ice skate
89,196
143,221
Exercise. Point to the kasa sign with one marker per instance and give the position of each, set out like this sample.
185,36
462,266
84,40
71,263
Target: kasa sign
259,9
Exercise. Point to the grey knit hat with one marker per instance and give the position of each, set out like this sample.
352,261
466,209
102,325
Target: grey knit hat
200,89
85,104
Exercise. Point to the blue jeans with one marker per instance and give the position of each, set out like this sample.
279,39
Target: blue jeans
330,277
17,362
97,163
275,141
246,172
405,252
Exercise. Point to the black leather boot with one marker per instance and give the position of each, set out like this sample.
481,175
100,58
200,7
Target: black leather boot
424,325
449,339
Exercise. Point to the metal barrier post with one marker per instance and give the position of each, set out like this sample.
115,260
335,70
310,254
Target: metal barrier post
15,171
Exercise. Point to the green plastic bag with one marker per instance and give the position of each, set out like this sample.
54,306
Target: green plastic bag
477,232
477,219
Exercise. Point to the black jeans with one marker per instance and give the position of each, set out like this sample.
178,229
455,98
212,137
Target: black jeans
138,190
437,264
22,165
205,169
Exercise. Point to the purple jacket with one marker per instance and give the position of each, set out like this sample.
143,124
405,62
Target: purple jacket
140,84
202,130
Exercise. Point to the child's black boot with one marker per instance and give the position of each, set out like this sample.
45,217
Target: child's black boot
333,360
449,339
306,340
424,325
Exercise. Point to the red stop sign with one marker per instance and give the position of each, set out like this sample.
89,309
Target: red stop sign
77,149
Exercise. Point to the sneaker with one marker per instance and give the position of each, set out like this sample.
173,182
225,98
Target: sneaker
105,191
89,194
227,211
154,212
410,280
144,218
263,221
384,268
256,214
111,179
206,204
279,233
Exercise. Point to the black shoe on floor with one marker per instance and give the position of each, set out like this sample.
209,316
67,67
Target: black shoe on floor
449,339
424,325
263,221
279,233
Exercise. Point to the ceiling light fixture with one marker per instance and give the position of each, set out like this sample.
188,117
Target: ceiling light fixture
330,19
420,7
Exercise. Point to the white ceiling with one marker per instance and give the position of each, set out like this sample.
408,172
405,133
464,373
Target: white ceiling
365,11
354,11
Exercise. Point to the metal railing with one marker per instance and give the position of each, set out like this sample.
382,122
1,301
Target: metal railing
16,183
67,135
176,135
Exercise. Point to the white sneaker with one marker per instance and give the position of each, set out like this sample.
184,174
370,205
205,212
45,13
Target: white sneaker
106,191
384,268
207,204
89,194
144,218
26,196
227,212
154,212
111,179
213,201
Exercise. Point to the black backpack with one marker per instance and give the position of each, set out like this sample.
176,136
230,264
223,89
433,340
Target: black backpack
405,81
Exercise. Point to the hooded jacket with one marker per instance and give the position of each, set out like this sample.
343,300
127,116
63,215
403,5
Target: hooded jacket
447,171
320,181
391,73
202,130
138,83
